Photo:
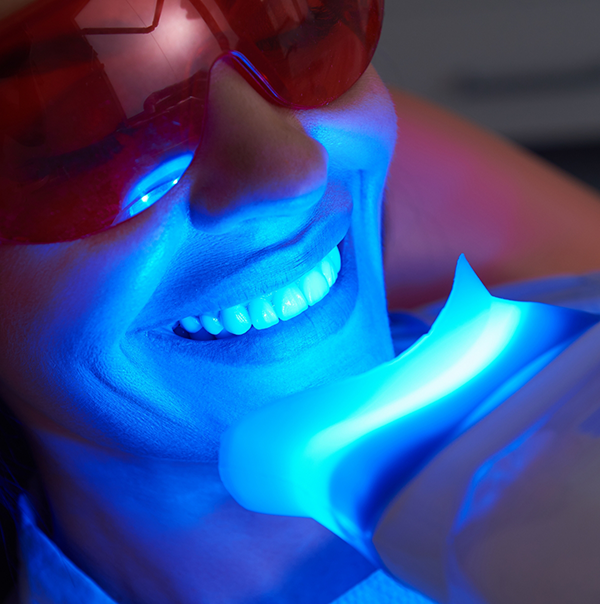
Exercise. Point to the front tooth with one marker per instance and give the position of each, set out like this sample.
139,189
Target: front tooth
266,311
236,319
191,324
335,259
289,302
262,314
211,323
328,272
314,286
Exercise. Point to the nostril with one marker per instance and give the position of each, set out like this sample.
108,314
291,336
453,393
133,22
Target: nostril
275,173
215,211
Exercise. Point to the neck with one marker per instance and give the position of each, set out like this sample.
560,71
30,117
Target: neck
162,531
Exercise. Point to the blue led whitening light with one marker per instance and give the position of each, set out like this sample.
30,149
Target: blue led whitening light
339,453
157,183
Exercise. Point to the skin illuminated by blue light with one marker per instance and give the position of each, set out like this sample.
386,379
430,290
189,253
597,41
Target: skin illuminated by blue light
338,453
156,184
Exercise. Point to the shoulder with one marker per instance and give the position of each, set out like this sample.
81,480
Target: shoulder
455,188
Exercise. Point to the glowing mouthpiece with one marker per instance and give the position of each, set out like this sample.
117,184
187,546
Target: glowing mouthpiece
340,452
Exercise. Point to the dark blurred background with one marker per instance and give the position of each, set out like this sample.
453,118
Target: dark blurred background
527,69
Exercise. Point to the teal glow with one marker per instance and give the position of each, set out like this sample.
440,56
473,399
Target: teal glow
429,374
340,452
156,184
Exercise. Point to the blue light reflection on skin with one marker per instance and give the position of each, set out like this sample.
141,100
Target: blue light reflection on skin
339,453
157,183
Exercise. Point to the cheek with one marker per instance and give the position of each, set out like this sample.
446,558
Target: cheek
358,129
60,304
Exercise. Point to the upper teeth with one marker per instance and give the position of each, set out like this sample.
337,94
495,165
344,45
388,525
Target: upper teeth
266,311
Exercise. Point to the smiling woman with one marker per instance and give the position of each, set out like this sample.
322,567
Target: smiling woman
190,229
122,402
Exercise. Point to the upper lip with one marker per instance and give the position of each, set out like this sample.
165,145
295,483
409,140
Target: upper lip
259,272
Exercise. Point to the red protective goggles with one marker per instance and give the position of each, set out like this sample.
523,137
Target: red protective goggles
102,101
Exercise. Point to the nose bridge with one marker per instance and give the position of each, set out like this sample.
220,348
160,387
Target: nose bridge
255,159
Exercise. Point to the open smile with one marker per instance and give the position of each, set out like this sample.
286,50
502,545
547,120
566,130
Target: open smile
286,337
265,311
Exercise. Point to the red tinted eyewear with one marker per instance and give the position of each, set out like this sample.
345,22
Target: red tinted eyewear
102,101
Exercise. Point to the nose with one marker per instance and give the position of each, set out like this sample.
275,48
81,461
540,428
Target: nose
255,159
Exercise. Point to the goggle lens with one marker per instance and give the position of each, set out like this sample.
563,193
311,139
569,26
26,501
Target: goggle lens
102,101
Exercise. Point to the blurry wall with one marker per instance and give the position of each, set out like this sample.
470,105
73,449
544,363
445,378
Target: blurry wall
529,69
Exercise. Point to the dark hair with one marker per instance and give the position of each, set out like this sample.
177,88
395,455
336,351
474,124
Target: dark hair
16,470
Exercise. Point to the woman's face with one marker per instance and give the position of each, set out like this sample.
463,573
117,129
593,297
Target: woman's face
86,327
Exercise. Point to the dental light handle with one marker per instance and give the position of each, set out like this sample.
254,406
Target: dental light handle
507,513
341,452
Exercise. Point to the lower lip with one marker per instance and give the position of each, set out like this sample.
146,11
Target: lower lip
286,339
